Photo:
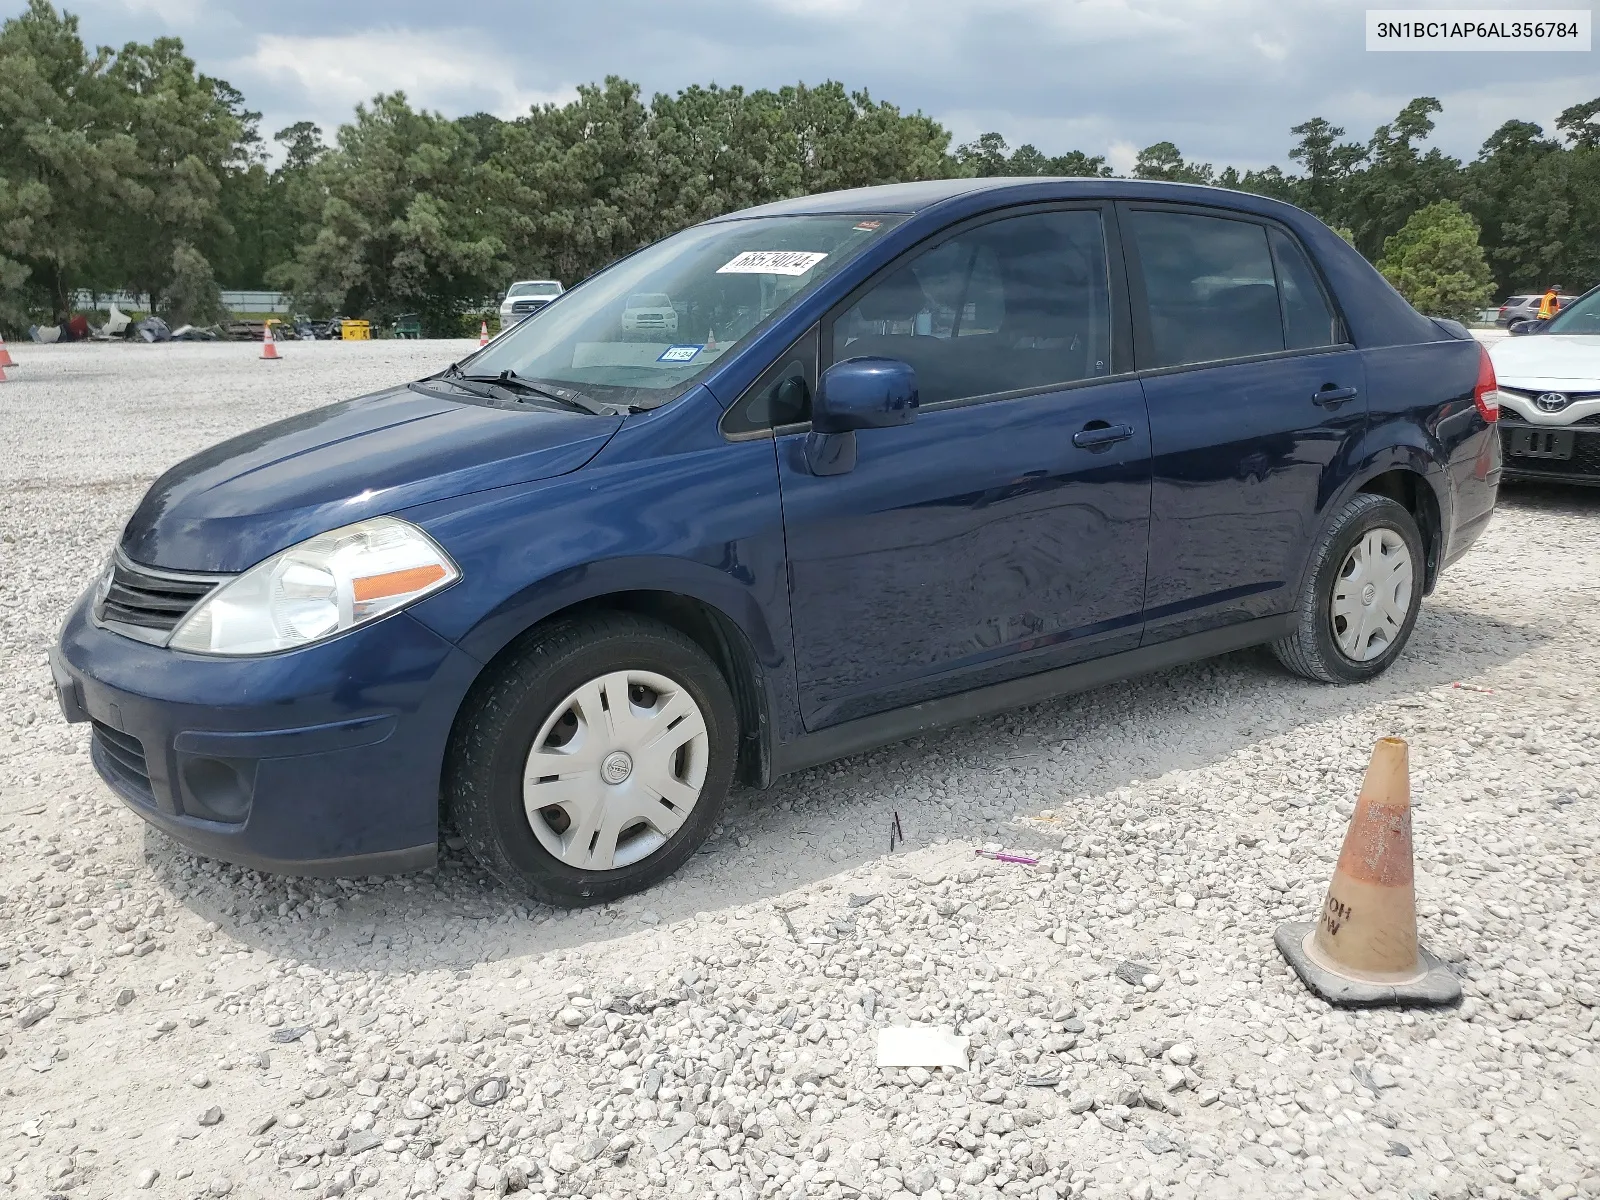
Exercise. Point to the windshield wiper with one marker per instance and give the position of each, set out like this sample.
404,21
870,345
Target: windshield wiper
510,380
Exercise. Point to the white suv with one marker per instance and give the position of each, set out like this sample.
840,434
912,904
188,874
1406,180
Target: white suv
649,312
525,297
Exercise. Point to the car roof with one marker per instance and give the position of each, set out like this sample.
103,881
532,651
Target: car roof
911,198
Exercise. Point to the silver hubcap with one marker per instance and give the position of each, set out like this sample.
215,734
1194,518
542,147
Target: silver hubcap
615,770
1372,595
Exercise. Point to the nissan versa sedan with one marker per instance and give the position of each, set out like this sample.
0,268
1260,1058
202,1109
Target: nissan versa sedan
955,446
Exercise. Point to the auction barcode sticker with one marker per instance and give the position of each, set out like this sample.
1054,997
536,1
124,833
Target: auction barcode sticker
1435,29
771,262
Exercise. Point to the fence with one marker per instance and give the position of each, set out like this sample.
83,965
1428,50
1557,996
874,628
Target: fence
237,302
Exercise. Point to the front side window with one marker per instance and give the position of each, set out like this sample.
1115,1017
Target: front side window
782,395
643,330
1019,303
1581,316
1209,287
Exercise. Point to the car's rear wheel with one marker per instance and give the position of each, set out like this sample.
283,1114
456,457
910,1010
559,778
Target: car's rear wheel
593,759
1361,596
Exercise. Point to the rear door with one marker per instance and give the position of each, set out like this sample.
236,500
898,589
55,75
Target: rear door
1257,405
1001,532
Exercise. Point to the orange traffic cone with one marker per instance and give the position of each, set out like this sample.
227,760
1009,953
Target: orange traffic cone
2,374
483,334
269,344
5,355
711,339
1363,949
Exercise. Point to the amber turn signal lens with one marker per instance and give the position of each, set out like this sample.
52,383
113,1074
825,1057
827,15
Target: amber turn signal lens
397,583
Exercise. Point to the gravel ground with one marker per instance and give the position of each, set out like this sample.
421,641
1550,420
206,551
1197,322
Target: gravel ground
172,1027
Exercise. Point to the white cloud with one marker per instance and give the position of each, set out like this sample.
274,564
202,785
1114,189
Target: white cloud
435,70
1122,156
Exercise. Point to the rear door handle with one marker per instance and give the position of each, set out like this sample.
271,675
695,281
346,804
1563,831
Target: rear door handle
1101,435
1332,397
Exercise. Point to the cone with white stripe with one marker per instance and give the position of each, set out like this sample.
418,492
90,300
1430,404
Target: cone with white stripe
269,344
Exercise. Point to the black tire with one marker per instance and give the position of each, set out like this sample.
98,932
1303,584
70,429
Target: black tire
1311,650
495,729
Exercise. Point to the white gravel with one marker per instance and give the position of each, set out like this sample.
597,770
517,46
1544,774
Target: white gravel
171,1027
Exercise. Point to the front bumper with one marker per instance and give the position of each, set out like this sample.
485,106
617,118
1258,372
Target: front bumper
322,761
1583,467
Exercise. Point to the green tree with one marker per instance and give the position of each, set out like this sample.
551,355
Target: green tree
987,155
1329,164
1497,189
1164,161
63,162
1436,263
1398,177
187,136
192,295
404,227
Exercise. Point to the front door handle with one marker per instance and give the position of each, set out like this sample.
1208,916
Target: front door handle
1332,397
1098,434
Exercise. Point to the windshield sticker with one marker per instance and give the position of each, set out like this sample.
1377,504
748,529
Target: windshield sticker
867,226
771,262
679,354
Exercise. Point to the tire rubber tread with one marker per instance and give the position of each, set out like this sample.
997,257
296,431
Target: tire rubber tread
1309,651
511,683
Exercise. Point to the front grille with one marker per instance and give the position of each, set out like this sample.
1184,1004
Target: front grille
1529,393
1585,460
149,600
1512,415
123,757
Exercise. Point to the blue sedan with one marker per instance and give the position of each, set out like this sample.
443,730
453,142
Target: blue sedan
908,455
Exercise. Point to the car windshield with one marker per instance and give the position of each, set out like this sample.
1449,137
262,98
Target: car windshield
1582,316
534,289
643,330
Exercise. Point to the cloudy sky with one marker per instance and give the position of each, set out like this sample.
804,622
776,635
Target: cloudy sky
1224,79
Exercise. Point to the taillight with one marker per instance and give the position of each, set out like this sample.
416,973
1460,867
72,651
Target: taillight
1486,392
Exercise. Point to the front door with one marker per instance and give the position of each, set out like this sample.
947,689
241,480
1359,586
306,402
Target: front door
1003,531
1256,405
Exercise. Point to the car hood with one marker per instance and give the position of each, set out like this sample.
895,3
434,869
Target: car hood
231,506
1547,360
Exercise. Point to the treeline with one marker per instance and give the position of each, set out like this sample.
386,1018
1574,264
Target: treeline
130,169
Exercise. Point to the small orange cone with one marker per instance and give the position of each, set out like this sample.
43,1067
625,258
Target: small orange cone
5,355
2,374
711,339
269,344
1363,949
483,335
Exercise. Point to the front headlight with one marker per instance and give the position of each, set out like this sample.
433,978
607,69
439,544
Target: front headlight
322,587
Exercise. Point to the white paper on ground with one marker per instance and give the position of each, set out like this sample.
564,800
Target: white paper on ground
921,1046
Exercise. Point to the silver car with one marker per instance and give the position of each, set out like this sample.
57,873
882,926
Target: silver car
1518,308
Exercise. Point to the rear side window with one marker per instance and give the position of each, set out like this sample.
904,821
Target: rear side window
1016,304
1210,287
1308,319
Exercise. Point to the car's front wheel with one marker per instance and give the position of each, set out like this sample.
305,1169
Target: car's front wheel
1361,596
593,759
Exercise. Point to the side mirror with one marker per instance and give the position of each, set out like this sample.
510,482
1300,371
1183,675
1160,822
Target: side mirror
864,393
1527,325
